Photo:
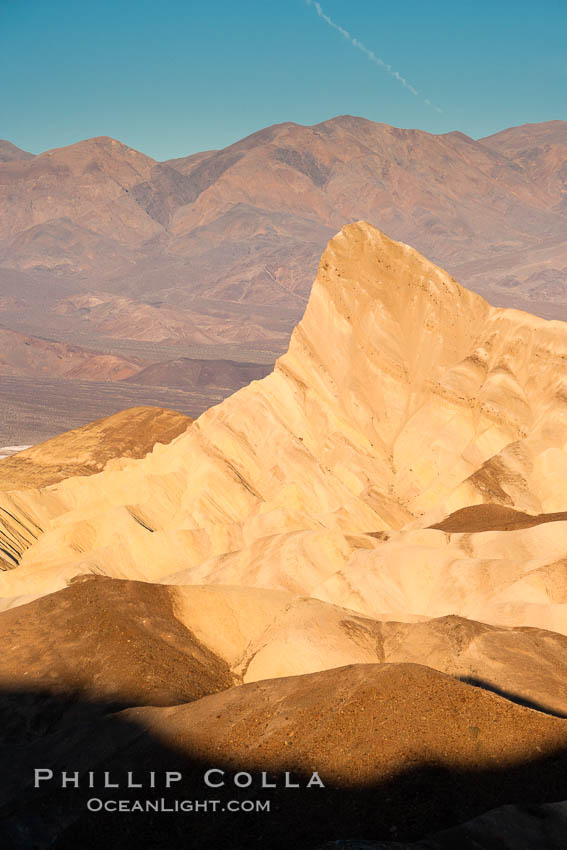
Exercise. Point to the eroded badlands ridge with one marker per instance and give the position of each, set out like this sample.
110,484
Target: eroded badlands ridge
323,557
403,397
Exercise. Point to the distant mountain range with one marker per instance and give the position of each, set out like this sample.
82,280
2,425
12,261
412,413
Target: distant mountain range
100,243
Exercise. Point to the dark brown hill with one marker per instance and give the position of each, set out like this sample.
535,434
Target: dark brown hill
114,643
186,373
402,751
491,517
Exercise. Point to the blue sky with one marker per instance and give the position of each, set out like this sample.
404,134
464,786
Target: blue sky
173,77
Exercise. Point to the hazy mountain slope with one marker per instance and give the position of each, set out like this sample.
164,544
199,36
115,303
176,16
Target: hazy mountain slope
247,224
541,150
115,316
451,197
26,356
535,277
10,153
88,182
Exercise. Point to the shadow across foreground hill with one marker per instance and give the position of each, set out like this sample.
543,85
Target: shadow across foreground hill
477,682
418,800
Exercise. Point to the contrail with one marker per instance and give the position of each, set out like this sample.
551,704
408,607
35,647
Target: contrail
368,53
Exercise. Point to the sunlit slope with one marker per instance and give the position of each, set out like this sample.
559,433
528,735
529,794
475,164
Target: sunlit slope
402,398
132,433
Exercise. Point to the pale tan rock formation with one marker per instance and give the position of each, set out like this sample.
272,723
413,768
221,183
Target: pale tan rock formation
265,634
403,397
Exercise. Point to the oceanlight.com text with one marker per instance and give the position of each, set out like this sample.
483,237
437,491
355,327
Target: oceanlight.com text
95,804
